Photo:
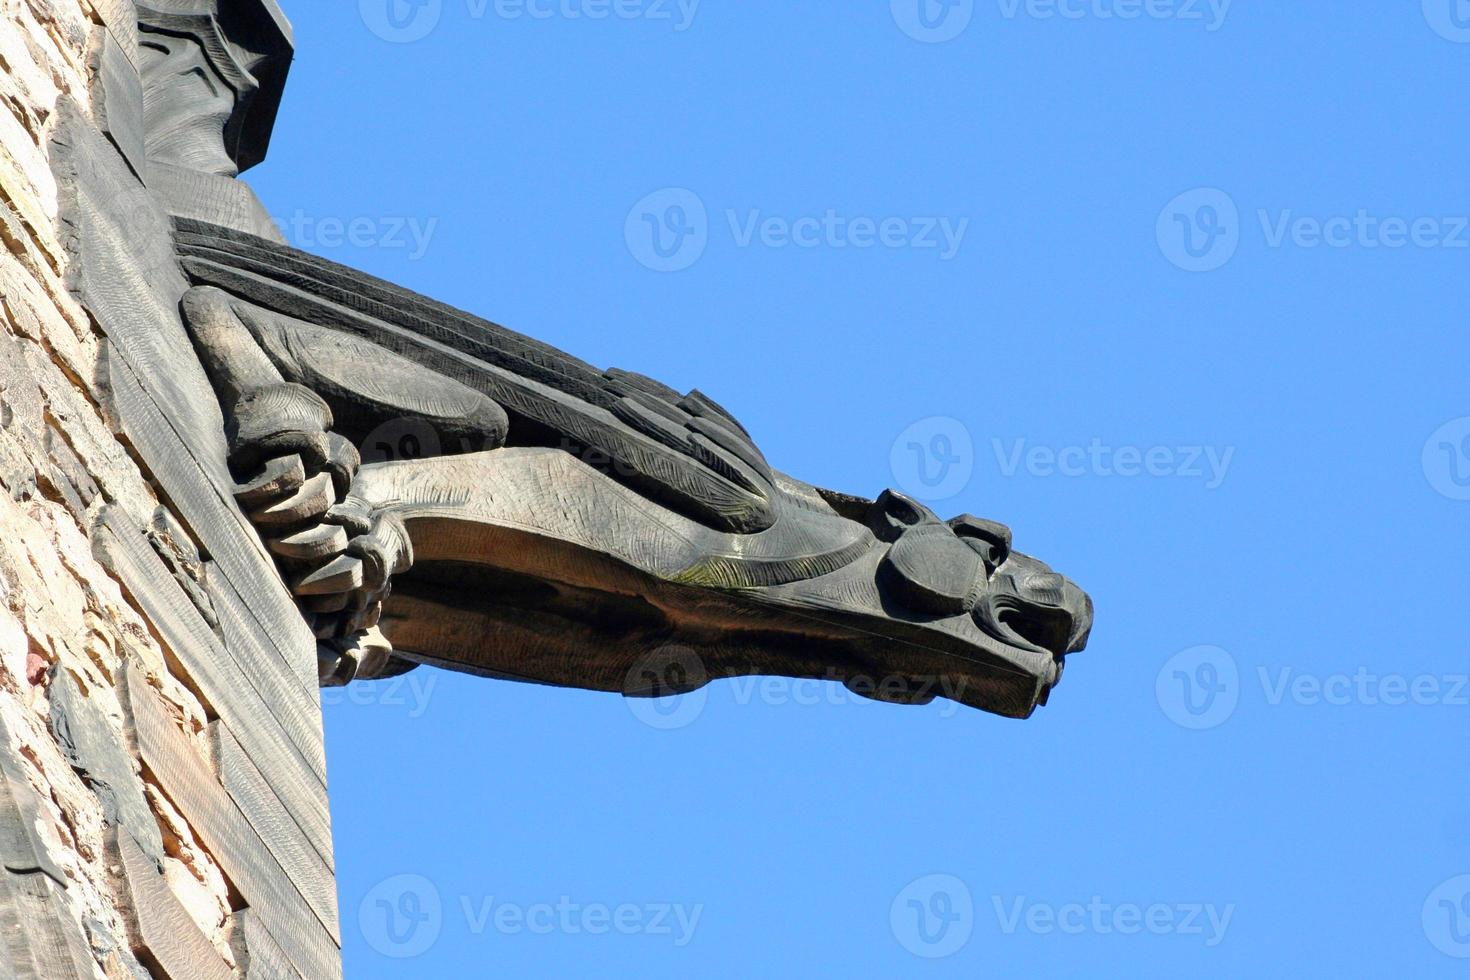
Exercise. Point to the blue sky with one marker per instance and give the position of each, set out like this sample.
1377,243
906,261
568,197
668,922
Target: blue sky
1174,289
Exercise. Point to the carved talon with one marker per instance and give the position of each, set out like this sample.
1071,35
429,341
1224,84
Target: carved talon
343,461
341,574
310,502
385,550
339,553
325,604
352,513
277,479
313,544
368,618
365,655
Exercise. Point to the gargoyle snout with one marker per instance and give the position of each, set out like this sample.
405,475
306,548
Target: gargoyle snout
1029,605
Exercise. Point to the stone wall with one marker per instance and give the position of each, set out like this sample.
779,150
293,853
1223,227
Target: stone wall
132,790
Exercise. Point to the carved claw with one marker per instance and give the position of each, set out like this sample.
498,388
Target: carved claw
336,551
341,574
342,462
385,550
366,655
313,544
310,502
277,480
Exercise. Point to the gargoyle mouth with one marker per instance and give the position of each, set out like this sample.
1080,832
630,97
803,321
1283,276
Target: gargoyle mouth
1031,607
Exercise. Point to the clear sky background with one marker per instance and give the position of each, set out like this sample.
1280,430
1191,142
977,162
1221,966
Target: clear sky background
1173,340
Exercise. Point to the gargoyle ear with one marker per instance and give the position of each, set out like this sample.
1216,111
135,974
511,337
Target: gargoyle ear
991,539
894,513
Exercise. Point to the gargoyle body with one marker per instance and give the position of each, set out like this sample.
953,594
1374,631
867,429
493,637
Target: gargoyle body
523,514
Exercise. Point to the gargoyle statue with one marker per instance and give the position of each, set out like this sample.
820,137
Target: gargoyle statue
522,514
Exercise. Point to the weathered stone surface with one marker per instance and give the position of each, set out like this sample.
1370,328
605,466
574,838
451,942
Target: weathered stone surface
65,626
100,756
